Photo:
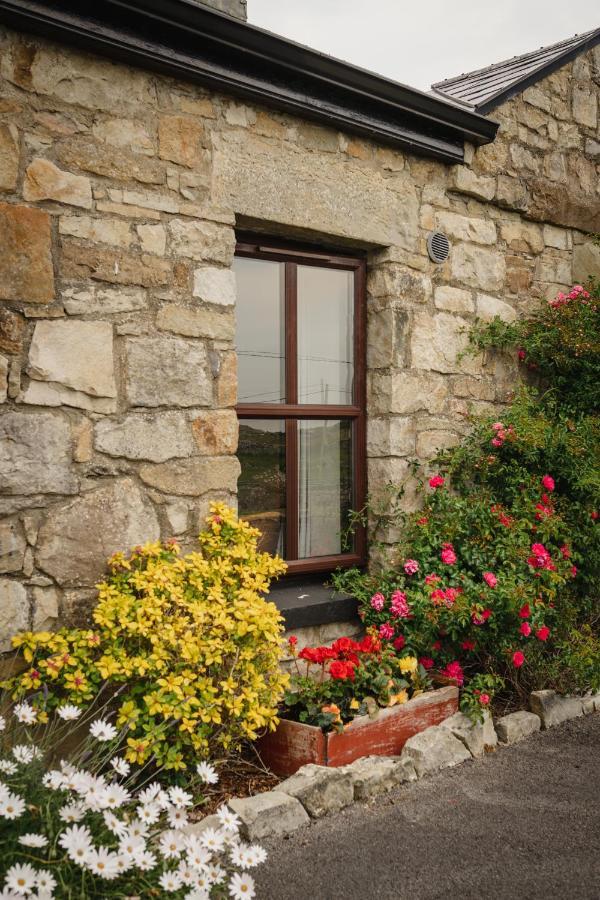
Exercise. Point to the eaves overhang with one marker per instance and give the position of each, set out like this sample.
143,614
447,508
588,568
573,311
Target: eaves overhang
195,43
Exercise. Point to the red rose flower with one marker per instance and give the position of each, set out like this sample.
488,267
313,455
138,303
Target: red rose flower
525,629
436,482
548,482
518,659
468,645
543,633
490,579
525,611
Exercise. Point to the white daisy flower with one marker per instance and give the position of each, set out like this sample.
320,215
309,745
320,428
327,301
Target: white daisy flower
115,796
241,857
21,879
179,797
102,862
228,819
120,765
177,818
186,873
11,806
103,731
146,861
137,828
199,858
207,773
23,754
217,873
171,844
46,884
69,712
123,863
260,854
149,813
25,713
132,847
54,780
212,839
77,841
7,767
241,887
33,840
195,894
149,794
170,882
203,881
72,812
114,824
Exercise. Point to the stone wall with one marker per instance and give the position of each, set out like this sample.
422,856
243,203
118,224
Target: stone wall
119,196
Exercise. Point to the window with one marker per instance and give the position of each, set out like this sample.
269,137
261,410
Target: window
300,345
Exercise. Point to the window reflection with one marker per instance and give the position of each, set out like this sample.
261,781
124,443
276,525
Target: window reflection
261,487
260,330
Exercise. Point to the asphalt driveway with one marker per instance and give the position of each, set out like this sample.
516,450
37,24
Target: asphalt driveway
522,823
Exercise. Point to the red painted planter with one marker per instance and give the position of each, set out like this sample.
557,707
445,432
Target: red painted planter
293,744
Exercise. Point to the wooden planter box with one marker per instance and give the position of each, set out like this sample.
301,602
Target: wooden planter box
293,744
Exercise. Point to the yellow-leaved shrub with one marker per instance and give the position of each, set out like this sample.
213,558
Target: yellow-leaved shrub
187,647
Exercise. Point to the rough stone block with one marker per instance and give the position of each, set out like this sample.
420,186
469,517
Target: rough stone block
215,286
124,133
271,814
45,181
206,241
320,790
180,140
436,342
12,331
77,538
489,307
155,437
164,371
193,477
45,608
478,267
434,749
554,709
465,181
35,454
586,262
585,106
216,432
77,355
476,736
453,299
26,271
14,611
374,775
196,322
12,547
105,231
102,301
466,228
153,238
110,161
115,266
516,726
9,157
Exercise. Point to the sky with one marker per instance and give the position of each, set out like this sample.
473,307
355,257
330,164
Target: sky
418,43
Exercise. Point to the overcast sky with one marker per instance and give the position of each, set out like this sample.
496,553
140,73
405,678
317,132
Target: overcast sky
419,43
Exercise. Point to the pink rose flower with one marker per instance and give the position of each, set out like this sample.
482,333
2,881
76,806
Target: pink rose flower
490,579
378,602
448,556
411,567
436,482
518,659
548,482
496,442
543,633
525,629
484,699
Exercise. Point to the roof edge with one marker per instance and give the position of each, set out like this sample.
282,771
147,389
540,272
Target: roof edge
522,84
196,43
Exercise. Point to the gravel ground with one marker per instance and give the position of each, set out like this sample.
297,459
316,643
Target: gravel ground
522,823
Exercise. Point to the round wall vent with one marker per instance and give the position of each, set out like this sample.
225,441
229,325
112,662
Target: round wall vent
438,247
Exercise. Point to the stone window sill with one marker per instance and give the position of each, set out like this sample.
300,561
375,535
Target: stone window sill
308,603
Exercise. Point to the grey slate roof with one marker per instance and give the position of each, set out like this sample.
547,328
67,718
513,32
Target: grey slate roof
485,89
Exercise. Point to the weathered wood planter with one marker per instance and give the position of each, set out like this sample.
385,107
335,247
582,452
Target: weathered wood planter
293,744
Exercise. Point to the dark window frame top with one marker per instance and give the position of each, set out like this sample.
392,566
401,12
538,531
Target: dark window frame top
292,411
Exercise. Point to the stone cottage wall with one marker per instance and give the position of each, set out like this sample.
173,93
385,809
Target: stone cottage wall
120,192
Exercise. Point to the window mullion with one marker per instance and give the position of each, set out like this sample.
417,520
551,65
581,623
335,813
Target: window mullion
291,427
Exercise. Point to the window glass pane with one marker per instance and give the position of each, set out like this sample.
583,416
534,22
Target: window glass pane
325,335
261,487
260,330
324,486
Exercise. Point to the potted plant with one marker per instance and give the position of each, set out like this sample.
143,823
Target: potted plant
352,699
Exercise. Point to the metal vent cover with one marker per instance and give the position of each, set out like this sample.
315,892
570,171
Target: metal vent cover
438,247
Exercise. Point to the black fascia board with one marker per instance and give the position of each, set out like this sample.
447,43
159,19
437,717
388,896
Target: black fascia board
198,44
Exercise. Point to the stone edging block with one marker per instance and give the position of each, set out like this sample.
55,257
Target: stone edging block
315,791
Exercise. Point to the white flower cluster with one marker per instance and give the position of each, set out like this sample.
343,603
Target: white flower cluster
148,830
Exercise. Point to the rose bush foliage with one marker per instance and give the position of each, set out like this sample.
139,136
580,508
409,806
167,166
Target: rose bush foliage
498,573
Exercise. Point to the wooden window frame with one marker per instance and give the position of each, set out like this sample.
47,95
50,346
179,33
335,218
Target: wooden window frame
292,411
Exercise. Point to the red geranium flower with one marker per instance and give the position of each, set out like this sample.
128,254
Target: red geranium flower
436,482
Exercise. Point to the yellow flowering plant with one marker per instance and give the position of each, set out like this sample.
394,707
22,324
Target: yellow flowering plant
187,646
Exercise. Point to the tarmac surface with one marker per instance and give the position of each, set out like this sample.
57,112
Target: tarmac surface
520,824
